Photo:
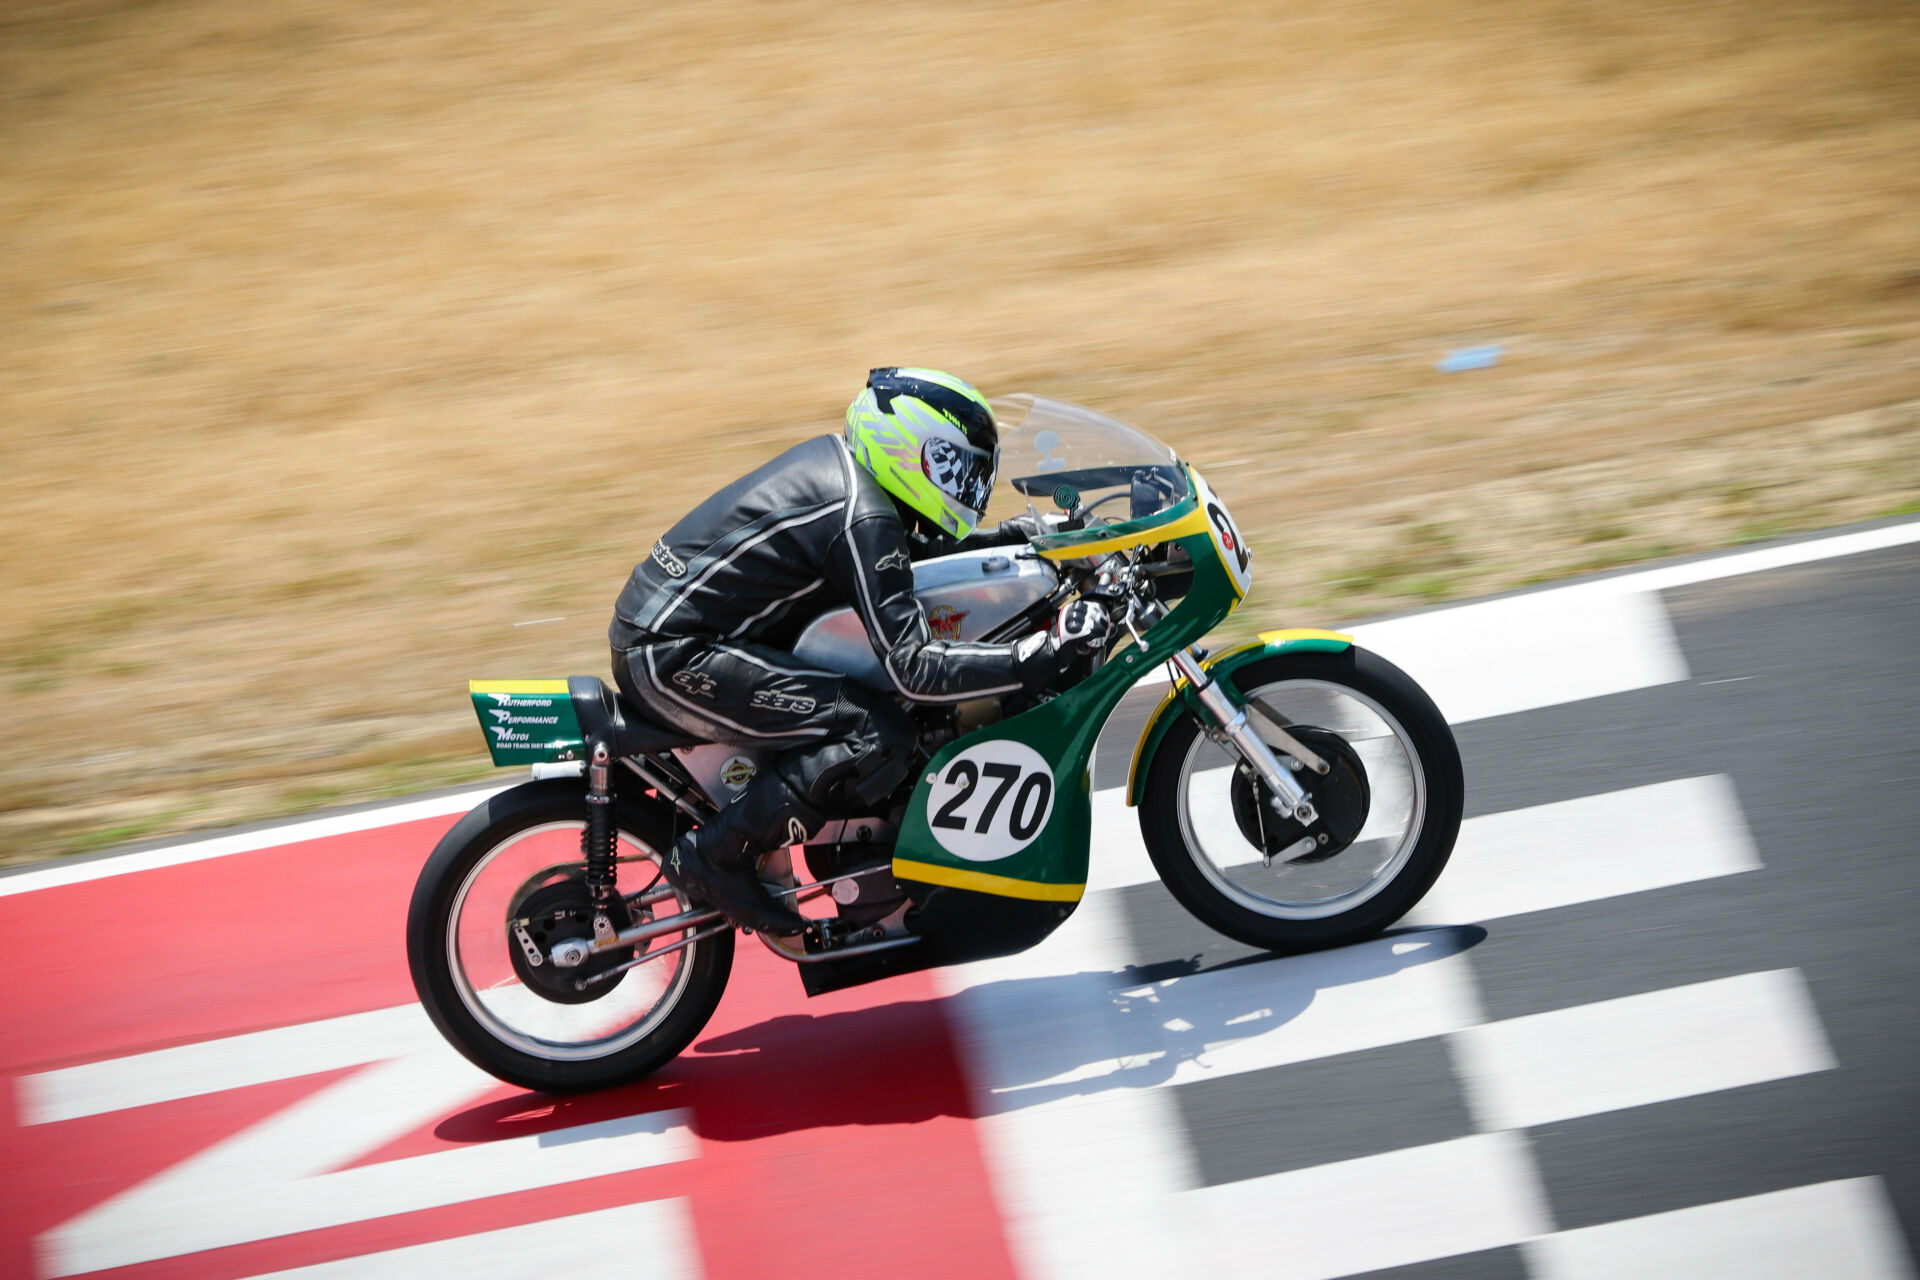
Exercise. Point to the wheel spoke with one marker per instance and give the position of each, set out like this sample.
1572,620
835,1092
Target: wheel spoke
1231,857
535,865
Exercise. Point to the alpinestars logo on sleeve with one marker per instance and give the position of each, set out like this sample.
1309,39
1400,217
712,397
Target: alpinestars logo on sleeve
893,560
664,557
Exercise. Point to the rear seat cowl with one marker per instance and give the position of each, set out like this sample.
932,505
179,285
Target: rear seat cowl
603,713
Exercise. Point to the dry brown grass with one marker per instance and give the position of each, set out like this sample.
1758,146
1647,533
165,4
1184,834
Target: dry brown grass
337,339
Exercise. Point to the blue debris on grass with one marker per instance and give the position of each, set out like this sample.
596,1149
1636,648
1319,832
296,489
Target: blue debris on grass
1470,358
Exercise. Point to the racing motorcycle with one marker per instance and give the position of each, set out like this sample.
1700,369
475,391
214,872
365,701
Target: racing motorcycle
1294,793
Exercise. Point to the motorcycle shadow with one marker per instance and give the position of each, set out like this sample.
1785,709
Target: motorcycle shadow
1024,1042
1031,1042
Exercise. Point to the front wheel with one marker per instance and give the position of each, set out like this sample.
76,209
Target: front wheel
516,859
1390,805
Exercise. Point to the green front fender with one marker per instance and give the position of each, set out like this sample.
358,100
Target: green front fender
1222,664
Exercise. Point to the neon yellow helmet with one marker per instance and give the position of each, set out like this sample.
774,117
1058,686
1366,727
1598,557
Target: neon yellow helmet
929,439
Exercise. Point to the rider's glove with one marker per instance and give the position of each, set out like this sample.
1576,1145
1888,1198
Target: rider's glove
1024,528
1036,661
1082,626
1017,532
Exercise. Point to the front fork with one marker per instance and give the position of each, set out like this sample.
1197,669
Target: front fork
1287,797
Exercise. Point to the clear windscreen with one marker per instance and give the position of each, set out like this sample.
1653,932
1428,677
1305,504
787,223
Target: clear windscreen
1056,457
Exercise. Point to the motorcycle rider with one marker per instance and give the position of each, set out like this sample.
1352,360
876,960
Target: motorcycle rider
702,631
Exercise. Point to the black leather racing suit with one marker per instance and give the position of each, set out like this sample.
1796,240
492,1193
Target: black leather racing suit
702,633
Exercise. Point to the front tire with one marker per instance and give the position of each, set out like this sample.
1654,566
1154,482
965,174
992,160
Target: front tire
1412,788
523,846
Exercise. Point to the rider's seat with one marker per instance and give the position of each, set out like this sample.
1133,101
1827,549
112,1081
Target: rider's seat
604,713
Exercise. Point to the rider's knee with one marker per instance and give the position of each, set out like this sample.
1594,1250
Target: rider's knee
869,757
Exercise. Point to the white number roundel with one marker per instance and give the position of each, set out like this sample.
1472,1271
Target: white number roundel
990,801
1233,549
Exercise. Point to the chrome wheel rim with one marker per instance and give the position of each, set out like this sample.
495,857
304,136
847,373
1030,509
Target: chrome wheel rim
1314,891
478,960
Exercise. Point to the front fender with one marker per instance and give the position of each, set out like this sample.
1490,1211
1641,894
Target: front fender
1301,640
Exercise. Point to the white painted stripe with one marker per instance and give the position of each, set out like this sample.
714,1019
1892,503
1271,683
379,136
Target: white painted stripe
1759,560
244,842
1525,652
1832,1230
1533,859
1731,564
1640,1049
1120,1150
232,1062
283,1175
1381,1211
1257,1016
1044,1032
1584,640
1065,1052
654,1238
286,1174
1102,1032
1595,847
1092,1189
1116,854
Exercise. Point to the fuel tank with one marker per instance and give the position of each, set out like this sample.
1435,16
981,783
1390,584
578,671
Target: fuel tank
966,595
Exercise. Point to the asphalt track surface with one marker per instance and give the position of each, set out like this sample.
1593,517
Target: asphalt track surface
1658,1018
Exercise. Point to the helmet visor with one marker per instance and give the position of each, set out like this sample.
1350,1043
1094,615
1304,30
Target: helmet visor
962,472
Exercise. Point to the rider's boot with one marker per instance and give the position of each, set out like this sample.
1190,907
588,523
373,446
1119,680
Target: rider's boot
716,861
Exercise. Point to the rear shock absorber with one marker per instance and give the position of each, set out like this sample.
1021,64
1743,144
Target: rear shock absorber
596,841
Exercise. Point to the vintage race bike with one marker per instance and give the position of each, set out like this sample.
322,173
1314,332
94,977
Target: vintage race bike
1295,792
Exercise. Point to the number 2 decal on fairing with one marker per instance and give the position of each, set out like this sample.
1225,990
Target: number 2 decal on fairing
990,801
1233,549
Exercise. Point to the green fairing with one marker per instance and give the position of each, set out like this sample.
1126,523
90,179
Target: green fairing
1064,731
507,716
1220,668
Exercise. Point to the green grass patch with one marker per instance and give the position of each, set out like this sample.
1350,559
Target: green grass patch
1431,586
91,839
1606,533
1421,565
1623,555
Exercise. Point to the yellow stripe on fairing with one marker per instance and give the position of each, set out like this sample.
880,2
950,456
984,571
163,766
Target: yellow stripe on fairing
1146,731
516,686
1195,521
1299,633
981,882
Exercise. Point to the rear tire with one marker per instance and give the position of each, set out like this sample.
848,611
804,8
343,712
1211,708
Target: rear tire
1243,905
439,951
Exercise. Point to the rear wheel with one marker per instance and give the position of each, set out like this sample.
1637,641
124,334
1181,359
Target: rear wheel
516,858
1389,805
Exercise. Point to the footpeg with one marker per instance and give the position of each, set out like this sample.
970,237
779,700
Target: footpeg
824,937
